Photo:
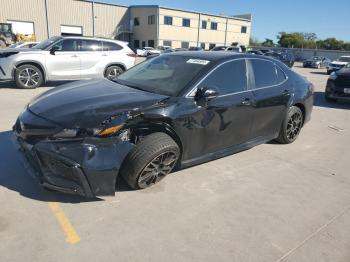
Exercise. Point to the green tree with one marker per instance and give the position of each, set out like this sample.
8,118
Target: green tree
254,41
268,43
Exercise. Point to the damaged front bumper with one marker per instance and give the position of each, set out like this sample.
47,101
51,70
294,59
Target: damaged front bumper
86,167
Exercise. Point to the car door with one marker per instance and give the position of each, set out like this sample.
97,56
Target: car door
63,61
91,57
226,120
272,93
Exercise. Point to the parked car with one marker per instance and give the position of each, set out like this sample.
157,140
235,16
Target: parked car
173,111
285,57
65,58
219,48
255,52
146,51
338,85
236,49
195,48
317,62
24,45
338,64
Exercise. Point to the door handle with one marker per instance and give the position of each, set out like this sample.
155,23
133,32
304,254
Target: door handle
246,102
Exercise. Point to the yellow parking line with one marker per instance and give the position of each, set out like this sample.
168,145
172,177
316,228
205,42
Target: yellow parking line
71,235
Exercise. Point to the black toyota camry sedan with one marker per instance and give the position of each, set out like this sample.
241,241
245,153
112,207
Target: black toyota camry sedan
169,112
338,85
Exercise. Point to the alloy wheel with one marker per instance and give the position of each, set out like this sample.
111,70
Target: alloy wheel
112,74
29,77
294,125
157,169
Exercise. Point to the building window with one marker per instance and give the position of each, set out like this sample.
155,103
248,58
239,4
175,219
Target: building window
204,24
211,46
167,43
214,26
186,22
143,43
136,43
168,20
136,21
151,19
243,29
151,43
203,46
185,45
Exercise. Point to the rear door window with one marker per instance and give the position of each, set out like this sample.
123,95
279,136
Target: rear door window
90,45
266,73
230,77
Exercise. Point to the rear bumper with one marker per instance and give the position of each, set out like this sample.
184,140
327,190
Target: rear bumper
88,167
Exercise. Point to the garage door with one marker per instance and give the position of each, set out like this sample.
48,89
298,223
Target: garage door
71,30
25,28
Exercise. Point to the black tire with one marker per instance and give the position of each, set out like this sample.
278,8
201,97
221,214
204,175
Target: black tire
138,165
113,71
329,72
2,44
28,77
291,126
329,99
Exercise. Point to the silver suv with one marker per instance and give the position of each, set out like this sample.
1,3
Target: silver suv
65,58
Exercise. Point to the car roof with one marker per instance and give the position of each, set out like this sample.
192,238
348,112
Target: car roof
95,38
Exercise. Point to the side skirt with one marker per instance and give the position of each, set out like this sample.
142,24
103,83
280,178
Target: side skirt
226,151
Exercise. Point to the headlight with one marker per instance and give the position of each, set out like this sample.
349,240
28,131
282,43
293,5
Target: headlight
85,132
333,76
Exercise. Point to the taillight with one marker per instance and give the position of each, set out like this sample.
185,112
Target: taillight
131,55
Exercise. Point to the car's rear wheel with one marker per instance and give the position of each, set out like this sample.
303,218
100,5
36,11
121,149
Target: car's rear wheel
150,161
291,126
113,72
28,77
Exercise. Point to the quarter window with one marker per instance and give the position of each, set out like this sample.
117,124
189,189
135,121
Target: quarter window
109,46
168,20
186,22
231,77
266,73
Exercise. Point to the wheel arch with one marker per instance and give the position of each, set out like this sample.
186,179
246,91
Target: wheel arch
114,64
302,108
33,63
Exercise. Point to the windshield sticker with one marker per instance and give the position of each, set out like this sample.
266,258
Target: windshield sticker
197,61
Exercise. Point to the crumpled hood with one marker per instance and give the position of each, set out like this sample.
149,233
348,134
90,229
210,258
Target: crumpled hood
87,103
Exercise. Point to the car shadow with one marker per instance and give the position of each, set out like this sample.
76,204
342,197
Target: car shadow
12,84
319,100
15,177
318,73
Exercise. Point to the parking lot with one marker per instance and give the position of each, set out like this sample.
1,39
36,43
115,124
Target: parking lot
270,203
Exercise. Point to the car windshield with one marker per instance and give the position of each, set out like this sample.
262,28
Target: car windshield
165,75
344,59
46,43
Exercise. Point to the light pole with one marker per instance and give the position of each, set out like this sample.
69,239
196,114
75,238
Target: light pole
93,18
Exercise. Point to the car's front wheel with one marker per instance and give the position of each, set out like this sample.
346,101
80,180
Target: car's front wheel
291,126
28,77
150,161
113,72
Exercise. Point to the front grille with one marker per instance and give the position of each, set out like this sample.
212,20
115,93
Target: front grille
342,81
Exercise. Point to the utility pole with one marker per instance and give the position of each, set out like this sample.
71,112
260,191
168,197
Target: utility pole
47,19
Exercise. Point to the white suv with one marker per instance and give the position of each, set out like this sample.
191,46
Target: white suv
65,58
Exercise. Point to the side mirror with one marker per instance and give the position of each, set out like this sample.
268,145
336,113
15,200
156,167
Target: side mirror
205,94
53,50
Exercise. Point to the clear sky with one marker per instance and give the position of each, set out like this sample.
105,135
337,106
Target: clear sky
326,18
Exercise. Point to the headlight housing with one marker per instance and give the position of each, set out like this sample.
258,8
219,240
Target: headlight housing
333,76
86,132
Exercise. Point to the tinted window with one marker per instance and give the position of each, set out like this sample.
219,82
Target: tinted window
136,21
67,45
211,46
243,29
151,43
151,19
90,45
109,46
280,75
168,20
229,78
185,44
186,22
204,24
167,43
136,43
203,45
264,73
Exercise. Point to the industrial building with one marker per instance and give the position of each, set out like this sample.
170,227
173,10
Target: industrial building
146,25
